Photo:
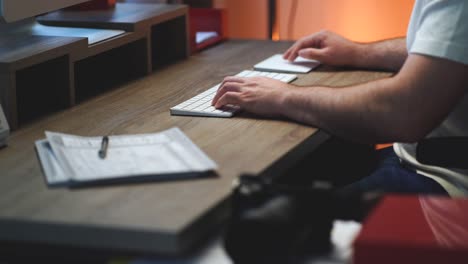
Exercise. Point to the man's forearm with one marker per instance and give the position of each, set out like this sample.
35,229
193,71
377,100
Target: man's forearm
356,113
385,55
403,108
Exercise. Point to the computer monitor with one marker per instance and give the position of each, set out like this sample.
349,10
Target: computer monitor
16,10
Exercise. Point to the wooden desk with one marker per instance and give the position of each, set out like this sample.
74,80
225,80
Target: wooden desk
164,217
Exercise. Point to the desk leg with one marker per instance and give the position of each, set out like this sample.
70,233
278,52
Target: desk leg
187,37
149,52
8,98
71,83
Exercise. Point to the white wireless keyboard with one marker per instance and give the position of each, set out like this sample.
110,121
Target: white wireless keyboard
200,105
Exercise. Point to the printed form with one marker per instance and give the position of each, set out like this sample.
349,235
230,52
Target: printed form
75,158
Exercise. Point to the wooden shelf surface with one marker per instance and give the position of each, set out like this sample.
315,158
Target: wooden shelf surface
124,16
21,50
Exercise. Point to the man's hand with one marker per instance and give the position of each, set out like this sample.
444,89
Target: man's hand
333,49
326,47
259,95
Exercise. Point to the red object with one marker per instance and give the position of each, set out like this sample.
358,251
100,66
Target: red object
414,229
206,19
94,5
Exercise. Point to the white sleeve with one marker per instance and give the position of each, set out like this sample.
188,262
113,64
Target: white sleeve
442,30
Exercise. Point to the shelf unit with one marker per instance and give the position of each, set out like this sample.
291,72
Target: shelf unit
44,74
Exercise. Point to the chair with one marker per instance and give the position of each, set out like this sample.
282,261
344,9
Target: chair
447,152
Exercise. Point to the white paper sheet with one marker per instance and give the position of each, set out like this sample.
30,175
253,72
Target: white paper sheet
76,157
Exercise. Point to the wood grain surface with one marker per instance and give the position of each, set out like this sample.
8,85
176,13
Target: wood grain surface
150,217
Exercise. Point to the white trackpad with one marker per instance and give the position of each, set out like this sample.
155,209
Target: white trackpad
276,63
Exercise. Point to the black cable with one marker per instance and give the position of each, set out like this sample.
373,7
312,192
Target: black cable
271,17
292,18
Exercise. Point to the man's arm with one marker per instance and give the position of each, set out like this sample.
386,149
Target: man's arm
402,108
387,54
333,49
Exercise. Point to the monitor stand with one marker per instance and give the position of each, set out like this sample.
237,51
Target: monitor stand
16,27
32,27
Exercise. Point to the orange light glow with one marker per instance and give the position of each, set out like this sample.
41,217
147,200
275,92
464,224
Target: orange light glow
275,36
360,20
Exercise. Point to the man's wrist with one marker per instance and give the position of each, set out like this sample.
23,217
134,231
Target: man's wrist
359,55
293,103
283,107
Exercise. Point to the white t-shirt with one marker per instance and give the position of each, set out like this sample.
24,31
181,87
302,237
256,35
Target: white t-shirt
439,28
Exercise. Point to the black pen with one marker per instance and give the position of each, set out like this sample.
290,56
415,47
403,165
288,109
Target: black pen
104,144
